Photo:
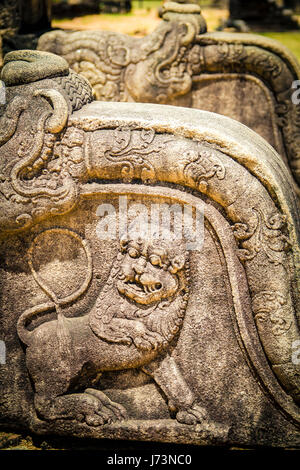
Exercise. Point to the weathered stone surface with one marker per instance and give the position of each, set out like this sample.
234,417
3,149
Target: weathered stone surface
125,68
245,77
143,338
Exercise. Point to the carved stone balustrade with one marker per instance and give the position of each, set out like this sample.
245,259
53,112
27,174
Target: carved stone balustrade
246,77
186,336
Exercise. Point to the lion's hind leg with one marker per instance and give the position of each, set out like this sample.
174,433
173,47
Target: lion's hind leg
111,411
91,407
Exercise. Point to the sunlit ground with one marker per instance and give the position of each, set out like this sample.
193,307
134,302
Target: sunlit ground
138,22
143,19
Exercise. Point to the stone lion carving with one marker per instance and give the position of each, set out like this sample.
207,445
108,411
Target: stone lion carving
134,323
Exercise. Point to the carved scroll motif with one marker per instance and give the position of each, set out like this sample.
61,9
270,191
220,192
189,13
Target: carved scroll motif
202,166
130,149
122,68
30,182
268,235
270,307
25,178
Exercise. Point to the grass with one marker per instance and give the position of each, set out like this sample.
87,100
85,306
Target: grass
145,4
289,39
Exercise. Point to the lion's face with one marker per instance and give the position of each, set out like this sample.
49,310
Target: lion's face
147,272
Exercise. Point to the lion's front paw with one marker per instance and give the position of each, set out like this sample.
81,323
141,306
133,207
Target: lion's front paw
145,339
193,415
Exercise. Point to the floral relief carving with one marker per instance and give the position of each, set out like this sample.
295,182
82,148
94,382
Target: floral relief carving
202,166
130,150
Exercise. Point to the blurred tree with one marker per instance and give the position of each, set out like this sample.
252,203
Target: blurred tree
25,16
262,14
22,21
291,4
35,15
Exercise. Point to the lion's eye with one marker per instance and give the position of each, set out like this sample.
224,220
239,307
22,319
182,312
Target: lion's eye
155,260
133,253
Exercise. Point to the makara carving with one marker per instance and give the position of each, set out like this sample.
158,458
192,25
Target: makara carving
124,68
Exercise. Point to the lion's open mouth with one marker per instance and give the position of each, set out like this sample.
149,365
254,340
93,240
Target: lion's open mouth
139,287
